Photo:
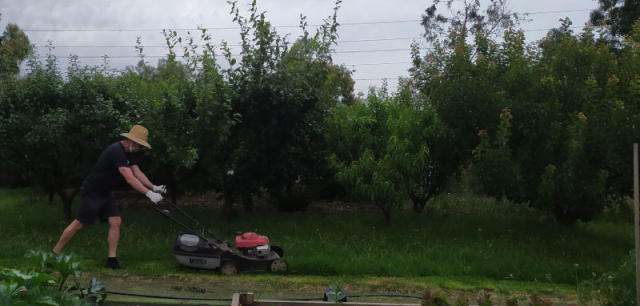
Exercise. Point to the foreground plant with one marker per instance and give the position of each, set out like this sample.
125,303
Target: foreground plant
336,294
431,299
611,288
33,287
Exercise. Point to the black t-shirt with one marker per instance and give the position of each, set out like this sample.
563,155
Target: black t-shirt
105,176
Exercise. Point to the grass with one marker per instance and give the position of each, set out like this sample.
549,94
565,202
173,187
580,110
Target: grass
459,243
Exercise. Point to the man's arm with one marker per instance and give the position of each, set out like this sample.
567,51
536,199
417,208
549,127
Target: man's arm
132,180
141,177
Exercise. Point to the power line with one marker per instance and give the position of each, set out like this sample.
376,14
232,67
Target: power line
537,30
164,46
335,52
235,45
376,64
218,55
368,51
213,28
282,26
377,39
162,56
556,12
376,79
216,28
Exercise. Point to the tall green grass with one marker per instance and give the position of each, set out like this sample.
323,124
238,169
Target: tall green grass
457,236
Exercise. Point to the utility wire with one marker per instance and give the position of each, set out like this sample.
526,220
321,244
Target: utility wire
555,12
345,41
218,55
160,56
212,29
375,79
376,64
282,26
164,46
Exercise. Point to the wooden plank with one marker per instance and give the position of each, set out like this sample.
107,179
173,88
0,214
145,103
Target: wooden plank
235,301
321,303
247,299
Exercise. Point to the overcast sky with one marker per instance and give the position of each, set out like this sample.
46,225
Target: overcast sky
375,35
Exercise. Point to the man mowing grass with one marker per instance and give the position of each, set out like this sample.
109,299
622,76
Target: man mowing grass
97,201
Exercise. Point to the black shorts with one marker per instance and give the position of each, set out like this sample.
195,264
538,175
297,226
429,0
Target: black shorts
94,206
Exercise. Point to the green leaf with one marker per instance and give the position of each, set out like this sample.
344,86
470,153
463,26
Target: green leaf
96,286
45,300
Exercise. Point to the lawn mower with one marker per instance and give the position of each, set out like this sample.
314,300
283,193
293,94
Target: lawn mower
254,254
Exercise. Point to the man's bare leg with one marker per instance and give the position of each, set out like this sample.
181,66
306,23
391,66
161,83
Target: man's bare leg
67,234
114,235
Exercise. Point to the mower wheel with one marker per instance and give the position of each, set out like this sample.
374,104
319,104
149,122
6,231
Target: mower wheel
228,269
278,266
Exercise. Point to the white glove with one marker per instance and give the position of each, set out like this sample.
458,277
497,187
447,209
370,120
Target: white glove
160,189
154,197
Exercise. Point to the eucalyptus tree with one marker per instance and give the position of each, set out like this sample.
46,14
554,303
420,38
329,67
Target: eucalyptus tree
618,16
14,48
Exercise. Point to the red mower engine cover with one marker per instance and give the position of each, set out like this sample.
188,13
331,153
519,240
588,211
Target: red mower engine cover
250,240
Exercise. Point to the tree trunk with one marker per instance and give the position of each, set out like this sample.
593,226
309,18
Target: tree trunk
247,201
67,196
226,209
174,193
52,193
66,202
419,200
386,209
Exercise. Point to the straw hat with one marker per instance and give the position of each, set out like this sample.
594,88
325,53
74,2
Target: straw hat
139,134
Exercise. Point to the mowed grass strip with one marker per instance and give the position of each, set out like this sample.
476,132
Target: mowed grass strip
457,237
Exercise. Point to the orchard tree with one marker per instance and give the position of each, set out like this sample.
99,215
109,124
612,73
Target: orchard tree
63,126
377,157
563,141
26,102
164,104
280,94
433,178
513,83
14,121
456,77
619,95
494,166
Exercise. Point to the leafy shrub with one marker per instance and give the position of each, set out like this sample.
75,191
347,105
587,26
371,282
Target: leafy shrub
462,300
485,299
41,288
430,299
536,300
335,294
613,288
512,301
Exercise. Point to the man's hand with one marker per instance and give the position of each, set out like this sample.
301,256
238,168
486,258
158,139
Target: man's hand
154,197
160,189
